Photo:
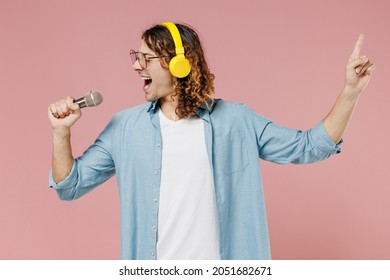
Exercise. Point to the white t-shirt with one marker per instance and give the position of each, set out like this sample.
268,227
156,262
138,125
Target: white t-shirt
187,218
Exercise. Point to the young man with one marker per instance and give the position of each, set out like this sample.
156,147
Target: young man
187,165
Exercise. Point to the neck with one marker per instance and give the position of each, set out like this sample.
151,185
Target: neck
168,107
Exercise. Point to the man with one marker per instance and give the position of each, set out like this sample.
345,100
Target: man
187,165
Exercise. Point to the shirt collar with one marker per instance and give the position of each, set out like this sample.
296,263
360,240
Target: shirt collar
152,106
208,105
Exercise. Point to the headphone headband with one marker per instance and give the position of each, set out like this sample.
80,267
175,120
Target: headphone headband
175,35
179,66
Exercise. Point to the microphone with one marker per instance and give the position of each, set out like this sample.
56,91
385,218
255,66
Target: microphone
91,99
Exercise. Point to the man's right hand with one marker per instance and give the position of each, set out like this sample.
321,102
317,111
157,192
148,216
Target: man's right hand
64,113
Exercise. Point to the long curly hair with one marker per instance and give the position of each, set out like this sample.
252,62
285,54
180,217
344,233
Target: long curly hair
198,87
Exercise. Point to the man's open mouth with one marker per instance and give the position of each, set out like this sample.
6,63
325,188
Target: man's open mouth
147,81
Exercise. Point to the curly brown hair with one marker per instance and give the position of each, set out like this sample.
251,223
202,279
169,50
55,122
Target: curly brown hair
198,87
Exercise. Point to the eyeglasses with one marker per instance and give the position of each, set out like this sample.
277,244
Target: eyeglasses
142,58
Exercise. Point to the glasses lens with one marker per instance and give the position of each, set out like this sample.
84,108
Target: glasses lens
133,56
138,56
141,59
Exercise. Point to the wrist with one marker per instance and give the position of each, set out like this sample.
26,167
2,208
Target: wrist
350,92
61,132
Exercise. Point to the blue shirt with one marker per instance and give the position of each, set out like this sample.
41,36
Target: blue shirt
236,137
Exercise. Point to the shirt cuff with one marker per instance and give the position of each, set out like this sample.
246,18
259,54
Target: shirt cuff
323,141
68,182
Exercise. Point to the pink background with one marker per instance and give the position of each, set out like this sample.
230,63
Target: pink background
285,59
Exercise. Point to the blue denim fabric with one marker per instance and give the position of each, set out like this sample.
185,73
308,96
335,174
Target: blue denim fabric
236,137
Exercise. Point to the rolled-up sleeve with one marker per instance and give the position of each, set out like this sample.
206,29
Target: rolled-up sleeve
323,140
67,183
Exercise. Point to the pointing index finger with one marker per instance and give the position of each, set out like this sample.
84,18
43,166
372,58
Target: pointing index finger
358,47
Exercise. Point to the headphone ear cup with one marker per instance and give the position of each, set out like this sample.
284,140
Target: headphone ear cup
179,67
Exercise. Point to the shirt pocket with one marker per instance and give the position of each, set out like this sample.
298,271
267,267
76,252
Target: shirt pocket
231,152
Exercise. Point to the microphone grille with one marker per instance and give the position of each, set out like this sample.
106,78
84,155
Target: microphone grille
93,98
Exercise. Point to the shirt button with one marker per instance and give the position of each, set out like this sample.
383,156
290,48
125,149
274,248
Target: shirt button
158,145
152,254
155,200
154,227
156,172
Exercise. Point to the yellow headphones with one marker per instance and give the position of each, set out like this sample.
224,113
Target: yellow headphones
179,66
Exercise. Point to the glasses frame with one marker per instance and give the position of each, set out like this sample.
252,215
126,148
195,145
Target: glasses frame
134,56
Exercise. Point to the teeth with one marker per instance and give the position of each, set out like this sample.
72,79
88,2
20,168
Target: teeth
145,78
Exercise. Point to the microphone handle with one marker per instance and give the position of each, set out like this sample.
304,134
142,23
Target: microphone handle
81,102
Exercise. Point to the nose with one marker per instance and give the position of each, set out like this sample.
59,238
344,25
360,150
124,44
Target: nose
137,66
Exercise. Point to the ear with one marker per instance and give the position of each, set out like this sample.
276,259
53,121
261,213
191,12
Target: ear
164,62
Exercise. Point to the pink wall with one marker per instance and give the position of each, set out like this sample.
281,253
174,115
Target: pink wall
285,59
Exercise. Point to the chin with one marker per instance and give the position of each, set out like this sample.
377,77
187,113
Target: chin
150,98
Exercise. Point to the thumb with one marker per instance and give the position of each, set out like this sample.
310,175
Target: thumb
72,105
